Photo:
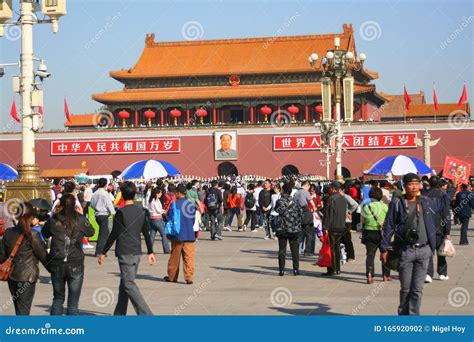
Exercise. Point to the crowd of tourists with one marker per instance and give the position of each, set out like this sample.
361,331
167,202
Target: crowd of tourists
407,221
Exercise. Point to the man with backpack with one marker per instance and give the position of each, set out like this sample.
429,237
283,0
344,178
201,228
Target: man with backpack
213,203
250,204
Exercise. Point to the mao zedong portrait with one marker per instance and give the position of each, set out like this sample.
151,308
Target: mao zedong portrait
225,151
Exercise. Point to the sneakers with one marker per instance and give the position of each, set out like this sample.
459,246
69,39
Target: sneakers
228,229
245,227
443,277
267,237
217,237
428,279
255,230
240,230
88,246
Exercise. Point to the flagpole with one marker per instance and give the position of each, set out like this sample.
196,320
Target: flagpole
434,92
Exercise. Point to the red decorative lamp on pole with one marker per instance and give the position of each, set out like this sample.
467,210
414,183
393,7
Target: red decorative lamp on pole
149,115
124,115
201,113
175,113
266,111
293,110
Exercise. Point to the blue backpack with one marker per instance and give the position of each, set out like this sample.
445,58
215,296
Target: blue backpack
173,226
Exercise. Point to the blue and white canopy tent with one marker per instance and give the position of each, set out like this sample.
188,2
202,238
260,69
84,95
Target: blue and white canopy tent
398,166
148,169
7,173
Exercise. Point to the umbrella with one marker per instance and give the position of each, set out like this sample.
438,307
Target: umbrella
398,166
149,168
7,173
40,203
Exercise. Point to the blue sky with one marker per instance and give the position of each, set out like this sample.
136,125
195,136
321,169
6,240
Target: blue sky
416,42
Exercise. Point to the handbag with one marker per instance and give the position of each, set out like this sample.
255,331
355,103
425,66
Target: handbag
446,248
6,267
325,256
393,259
173,226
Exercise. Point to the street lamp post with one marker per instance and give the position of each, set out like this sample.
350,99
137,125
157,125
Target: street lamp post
337,66
28,184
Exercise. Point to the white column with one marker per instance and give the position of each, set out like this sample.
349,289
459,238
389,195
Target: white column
26,82
338,142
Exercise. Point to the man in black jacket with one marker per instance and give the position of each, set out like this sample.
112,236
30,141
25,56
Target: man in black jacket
213,202
463,209
334,221
129,223
265,203
443,228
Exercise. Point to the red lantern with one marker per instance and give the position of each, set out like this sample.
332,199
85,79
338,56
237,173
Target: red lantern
201,112
124,115
319,109
175,113
149,114
293,110
265,110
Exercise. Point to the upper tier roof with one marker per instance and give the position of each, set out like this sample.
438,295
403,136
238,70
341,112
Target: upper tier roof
288,54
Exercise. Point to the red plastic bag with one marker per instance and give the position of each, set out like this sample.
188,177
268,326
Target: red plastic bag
325,257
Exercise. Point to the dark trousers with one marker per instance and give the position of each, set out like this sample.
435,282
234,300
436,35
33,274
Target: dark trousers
103,222
355,220
230,216
22,295
412,273
442,265
335,241
73,276
347,241
259,216
282,242
307,236
266,223
128,288
251,215
216,219
373,239
464,226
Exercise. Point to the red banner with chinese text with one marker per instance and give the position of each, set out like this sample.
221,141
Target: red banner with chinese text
349,141
122,146
456,169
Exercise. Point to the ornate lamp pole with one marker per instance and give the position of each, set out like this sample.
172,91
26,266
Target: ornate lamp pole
29,185
336,67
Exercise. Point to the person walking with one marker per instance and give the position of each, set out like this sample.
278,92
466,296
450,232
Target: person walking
250,204
67,229
411,218
129,224
155,208
463,209
265,204
103,207
347,237
303,198
334,221
273,214
288,227
25,246
213,204
373,217
234,203
182,244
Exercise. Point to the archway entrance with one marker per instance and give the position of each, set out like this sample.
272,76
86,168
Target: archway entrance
289,170
227,169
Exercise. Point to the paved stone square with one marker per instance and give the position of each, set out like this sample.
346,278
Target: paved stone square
239,276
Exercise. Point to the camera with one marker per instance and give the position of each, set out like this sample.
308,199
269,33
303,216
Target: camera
43,71
411,236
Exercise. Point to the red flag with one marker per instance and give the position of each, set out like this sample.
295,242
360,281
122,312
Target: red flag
435,99
40,110
13,112
407,98
463,97
66,111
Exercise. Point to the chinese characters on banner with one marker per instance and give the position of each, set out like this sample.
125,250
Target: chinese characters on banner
122,146
349,141
456,169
